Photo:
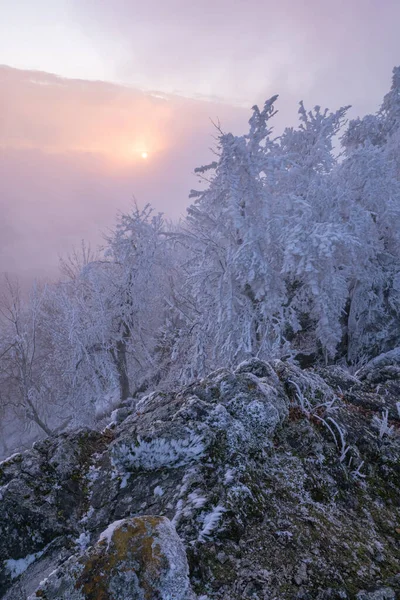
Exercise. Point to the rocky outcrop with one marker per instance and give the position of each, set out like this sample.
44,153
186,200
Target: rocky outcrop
141,558
280,482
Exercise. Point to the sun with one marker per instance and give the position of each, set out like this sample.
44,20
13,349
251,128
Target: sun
145,155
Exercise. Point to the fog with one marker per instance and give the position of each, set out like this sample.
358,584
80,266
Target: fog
71,159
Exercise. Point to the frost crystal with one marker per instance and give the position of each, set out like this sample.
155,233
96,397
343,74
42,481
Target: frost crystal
211,521
158,453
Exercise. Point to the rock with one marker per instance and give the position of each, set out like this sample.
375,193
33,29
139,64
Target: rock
380,594
42,491
278,480
140,558
386,360
301,574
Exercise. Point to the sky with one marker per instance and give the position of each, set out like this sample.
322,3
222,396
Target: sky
136,77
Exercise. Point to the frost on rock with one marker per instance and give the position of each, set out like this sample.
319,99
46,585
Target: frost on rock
278,481
158,491
210,522
83,541
158,453
387,363
19,566
379,594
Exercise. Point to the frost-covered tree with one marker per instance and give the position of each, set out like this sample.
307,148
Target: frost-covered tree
28,390
293,249
368,180
140,253
390,109
318,246
109,313
266,245
231,294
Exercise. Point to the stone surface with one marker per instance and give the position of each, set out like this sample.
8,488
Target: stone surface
282,483
135,559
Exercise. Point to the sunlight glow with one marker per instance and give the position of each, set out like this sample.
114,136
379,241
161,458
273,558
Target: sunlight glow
144,155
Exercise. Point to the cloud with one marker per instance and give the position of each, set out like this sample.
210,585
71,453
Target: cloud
70,158
246,50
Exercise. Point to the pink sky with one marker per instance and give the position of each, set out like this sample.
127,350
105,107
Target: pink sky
70,147
70,158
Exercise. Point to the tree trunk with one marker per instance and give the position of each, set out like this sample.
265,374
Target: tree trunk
122,368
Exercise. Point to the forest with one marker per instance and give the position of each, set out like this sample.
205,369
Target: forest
291,250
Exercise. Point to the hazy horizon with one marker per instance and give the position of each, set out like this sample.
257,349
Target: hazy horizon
72,159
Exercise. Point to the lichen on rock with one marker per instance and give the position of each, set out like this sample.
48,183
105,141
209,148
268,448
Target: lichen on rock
140,558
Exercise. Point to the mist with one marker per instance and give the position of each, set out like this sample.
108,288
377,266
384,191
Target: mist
71,160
